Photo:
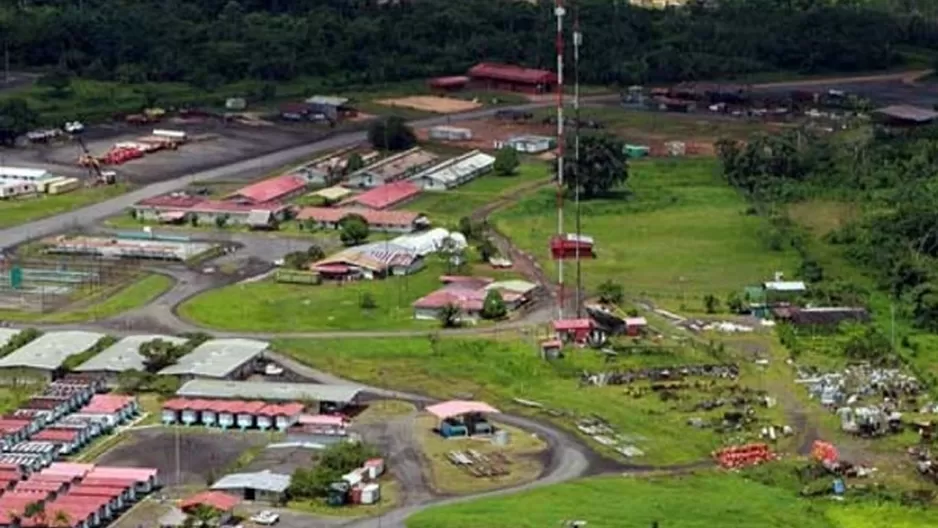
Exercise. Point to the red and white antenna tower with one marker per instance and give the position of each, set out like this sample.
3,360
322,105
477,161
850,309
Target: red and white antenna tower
560,12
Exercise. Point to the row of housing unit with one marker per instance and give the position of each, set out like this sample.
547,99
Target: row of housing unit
227,414
72,495
50,426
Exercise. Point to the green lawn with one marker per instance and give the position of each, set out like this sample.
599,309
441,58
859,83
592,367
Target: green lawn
448,207
679,233
706,500
267,306
498,371
101,306
14,212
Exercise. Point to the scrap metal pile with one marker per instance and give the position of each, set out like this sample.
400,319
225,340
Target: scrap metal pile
868,400
478,464
625,377
603,433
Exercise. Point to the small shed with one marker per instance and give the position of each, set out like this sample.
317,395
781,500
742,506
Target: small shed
575,330
636,151
635,325
263,486
450,133
463,418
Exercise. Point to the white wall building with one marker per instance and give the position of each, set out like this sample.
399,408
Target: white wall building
527,144
454,172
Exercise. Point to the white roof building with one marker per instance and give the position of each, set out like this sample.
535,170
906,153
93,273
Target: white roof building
268,391
262,480
430,241
785,286
217,358
49,351
25,174
454,172
124,355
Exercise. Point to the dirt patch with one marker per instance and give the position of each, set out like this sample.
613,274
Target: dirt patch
203,455
432,103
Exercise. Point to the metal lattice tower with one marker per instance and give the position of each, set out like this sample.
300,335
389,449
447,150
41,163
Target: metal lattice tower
560,12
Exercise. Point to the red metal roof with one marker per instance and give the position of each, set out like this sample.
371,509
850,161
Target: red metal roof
272,189
181,201
216,499
97,491
465,299
286,409
107,403
386,195
61,435
335,214
453,81
512,73
565,325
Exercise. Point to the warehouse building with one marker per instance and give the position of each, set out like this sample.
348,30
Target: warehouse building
385,221
329,396
391,169
455,172
511,78
178,207
278,189
42,357
122,356
24,174
385,196
264,486
527,144
377,260
219,359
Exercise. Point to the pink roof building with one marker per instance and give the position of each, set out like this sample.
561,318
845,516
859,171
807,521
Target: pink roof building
279,188
386,196
375,218
216,499
67,468
107,404
453,408
129,473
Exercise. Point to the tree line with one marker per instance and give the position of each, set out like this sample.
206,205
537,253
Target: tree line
889,177
341,42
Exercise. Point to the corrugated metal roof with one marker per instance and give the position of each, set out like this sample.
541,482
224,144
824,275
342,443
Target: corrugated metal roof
327,100
332,193
386,195
124,355
263,480
49,351
217,358
454,169
268,391
272,189
512,73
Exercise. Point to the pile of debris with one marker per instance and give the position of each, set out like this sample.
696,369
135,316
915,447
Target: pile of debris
925,463
478,464
725,327
829,458
734,457
603,433
857,382
618,377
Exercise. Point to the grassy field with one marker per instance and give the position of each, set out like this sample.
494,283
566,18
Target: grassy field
101,305
448,207
678,233
14,212
446,478
272,307
699,501
499,370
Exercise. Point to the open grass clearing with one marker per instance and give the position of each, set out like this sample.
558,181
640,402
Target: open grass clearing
447,207
100,305
23,210
822,216
273,307
499,370
703,500
678,233
522,452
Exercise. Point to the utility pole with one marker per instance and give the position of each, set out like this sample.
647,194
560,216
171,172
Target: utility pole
559,12
577,42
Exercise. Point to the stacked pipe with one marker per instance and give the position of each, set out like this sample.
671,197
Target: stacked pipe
734,457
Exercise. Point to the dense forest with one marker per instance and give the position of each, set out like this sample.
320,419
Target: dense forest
211,42
890,178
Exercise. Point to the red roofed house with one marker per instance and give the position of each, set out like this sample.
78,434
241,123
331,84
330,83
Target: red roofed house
385,196
466,293
221,501
511,78
573,329
388,221
180,208
277,189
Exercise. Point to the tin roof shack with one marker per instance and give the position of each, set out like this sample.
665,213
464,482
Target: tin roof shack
328,396
279,189
43,357
330,108
904,116
391,169
454,172
778,291
122,356
511,78
263,486
219,359
463,418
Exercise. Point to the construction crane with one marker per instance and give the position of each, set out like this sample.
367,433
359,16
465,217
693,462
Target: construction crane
90,162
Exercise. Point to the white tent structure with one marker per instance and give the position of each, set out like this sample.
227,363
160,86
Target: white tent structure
431,241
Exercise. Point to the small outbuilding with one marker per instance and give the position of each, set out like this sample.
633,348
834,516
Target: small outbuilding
223,503
573,330
463,418
264,486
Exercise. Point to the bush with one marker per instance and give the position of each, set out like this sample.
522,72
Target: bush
506,161
19,340
611,293
333,462
493,307
368,301
77,359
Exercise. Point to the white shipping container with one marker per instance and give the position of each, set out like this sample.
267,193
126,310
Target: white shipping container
173,134
371,493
